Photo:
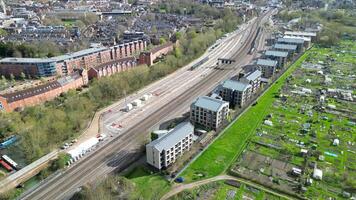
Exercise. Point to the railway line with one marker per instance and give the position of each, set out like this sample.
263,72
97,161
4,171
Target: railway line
125,148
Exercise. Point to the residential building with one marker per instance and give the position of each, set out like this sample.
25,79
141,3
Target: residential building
235,92
42,93
291,49
113,67
293,41
311,35
279,56
267,67
209,112
149,57
307,40
68,63
254,79
165,150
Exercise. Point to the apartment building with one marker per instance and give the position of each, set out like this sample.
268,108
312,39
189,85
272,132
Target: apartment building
311,35
164,151
149,57
267,67
279,56
290,48
254,79
39,94
293,41
235,92
68,63
113,67
209,112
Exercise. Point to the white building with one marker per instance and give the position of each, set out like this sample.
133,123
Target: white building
164,151
209,112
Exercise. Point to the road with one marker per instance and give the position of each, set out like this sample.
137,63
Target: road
116,154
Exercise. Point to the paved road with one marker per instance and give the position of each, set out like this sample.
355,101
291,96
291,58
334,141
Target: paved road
125,148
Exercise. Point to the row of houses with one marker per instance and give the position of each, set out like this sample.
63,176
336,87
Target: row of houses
39,94
68,63
211,112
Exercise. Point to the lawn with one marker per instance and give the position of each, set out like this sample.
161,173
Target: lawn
224,151
148,185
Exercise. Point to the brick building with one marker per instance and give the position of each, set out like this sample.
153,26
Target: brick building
42,93
68,63
113,67
149,57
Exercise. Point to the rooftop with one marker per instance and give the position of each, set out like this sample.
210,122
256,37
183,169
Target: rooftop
235,85
209,103
285,46
267,62
254,75
171,138
291,40
299,33
276,53
23,94
297,37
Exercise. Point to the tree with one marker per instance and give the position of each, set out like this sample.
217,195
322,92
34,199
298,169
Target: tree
22,76
12,77
162,40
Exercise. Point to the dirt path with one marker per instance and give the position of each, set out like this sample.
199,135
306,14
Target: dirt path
181,187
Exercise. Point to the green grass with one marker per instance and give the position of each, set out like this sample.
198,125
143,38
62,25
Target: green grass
223,152
148,185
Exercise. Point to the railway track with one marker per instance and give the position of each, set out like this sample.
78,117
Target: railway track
121,151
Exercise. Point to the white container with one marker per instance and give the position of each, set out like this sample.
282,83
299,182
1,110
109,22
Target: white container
137,103
128,107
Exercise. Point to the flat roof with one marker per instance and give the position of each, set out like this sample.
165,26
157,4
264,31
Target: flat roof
267,62
80,53
209,103
285,46
276,53
307,39
56,58
170,139
235,85
290,40
300,33
27,60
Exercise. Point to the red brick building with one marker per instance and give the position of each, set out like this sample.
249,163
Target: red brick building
68,63
42,93
113,67
149,57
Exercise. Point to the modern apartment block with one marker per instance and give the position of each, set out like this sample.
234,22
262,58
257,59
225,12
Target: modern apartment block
267,66
293,41
279,56
209,112
164,151
290,48
235,92
254,79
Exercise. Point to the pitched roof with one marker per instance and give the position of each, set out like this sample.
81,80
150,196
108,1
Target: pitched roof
254,75
30,92
209,103
276,53
267,62
171,138
235,85
290,40
285,46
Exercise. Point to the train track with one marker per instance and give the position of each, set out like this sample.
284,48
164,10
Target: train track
90,167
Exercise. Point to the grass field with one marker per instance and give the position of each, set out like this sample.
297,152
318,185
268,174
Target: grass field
223,152
148,185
